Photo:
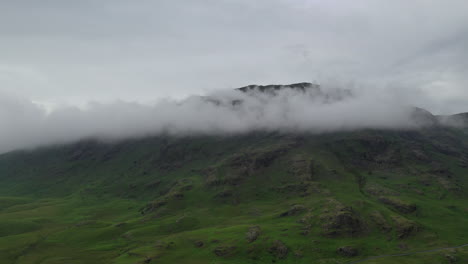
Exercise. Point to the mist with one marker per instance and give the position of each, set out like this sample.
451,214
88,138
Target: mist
25,124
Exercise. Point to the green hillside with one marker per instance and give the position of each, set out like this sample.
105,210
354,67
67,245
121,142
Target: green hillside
252,198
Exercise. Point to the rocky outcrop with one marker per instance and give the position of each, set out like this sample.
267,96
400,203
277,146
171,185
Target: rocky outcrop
199,244
404,227
347,251
398,204
382,223
279,249
341,221
294,210
174,192
272,88
224,251
422,118
243,165
302,168
253,233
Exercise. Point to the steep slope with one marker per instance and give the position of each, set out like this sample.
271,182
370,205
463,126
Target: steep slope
251,198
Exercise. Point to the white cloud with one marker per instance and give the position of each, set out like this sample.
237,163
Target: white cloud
26,124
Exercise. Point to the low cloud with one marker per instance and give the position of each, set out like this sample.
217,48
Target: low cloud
25,124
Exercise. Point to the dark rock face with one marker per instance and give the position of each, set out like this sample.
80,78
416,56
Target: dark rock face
224,251
253,233
302,168
347,251
381,222
451,258
404,227
294,210
272,88
279,249
343,222
423,118
399,205
308,89
224,194
241,166
199,244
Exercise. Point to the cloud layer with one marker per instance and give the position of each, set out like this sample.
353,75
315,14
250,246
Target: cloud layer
25,124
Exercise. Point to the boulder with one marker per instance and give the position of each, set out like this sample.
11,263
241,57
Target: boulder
294,210
253,233
342,222
279,249
404,227
347,251
224,251
399,205
199,244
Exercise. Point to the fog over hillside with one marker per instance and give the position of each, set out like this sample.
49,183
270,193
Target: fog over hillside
57,56
296,108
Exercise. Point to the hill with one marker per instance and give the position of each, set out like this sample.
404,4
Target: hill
259,197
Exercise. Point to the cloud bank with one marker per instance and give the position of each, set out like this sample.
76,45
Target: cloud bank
24,124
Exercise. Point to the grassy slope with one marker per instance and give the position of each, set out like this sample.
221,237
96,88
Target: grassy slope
154,200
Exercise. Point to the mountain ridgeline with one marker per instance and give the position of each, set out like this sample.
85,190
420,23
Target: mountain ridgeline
254,197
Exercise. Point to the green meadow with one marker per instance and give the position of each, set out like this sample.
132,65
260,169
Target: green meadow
256,198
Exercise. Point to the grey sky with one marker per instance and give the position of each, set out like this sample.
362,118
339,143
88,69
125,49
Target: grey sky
56,51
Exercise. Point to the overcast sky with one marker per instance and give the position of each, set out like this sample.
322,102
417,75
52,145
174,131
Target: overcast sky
57,51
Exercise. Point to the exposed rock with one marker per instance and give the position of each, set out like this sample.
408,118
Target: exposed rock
199,244
240,166
279,249
440,170
341,222
347,251
224,251
153,184
294,210
153,206
399,205
298,254
147,260
274,88
121,224
404,227
378,190
451,258
305,231
164,245
174,192
224,194
302,168
403,246
380,221
253,233
420,155
301,189
423,118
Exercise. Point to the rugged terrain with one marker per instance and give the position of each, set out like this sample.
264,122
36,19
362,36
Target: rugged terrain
259,197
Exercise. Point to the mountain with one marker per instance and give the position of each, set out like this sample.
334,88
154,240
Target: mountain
258,197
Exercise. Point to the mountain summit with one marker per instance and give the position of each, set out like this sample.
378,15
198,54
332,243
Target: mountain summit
275,87
311,176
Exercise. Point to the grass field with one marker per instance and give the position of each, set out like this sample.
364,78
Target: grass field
257,198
